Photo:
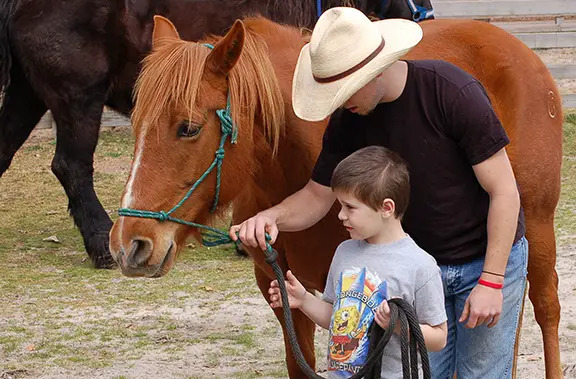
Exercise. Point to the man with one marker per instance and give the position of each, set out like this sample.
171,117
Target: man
465,207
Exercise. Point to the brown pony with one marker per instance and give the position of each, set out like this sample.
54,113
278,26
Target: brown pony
183,84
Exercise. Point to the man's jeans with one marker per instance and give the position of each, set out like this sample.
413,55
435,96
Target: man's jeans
481,352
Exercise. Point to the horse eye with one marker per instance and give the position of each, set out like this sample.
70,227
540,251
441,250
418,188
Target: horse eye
188,130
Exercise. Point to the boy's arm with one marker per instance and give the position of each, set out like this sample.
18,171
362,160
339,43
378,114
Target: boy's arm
435,336
317,310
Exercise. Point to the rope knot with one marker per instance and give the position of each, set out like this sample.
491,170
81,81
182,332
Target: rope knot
162,216
220,154
271,254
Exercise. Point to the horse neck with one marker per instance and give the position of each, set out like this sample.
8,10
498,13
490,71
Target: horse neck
280,175
286,172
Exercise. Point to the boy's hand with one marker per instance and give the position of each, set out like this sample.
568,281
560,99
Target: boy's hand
296,292
295,289
382,317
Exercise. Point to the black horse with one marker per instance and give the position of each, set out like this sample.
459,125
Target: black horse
73,57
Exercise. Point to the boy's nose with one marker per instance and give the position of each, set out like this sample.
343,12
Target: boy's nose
341,216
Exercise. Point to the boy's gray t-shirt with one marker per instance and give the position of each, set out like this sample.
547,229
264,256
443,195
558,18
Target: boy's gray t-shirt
360,276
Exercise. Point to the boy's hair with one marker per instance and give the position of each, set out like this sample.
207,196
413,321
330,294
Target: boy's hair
373,174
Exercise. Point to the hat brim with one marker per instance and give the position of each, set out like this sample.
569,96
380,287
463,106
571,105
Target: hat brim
313,101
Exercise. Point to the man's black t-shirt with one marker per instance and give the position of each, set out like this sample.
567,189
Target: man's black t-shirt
442,125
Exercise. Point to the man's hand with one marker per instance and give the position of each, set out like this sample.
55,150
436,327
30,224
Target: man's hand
483,306
252,232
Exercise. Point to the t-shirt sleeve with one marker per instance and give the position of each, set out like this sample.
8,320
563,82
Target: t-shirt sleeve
429,299
337,144
329,294
474,125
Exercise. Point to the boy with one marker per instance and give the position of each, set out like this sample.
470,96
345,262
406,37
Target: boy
379,262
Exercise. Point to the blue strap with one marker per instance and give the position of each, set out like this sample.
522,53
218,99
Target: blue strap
419,13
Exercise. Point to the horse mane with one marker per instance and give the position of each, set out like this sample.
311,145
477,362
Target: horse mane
172,74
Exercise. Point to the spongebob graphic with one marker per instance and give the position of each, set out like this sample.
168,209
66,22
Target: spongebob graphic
359,294
346,333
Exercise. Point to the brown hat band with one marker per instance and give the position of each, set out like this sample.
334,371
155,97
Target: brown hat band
353,69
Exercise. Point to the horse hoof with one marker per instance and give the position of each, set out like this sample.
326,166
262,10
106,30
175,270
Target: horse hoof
105,262
98,251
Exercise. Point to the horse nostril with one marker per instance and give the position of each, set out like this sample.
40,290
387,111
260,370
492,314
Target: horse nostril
140,253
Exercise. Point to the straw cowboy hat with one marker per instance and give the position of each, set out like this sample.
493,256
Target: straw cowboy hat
346,51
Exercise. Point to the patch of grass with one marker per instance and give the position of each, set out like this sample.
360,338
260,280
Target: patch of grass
9,344
570,117
32,148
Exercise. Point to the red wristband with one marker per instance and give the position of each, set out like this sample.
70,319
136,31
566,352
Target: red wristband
486,283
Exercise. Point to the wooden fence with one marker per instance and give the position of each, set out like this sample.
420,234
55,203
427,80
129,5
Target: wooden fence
549,27
539,24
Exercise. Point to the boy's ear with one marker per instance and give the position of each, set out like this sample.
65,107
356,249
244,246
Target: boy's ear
388,208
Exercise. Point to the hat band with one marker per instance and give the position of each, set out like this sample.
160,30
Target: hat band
353,69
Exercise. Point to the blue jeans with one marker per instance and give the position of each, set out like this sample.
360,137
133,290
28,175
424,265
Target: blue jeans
481,352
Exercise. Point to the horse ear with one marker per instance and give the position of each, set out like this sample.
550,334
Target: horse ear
164,30
227,51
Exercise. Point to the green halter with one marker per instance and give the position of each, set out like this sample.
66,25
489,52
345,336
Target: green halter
213,236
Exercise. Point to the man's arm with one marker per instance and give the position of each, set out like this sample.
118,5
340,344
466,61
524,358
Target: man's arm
299,211
495,175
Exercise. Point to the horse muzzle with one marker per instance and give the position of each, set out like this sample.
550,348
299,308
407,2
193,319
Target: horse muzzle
143,247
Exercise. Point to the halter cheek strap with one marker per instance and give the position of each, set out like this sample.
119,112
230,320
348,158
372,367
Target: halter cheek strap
215,236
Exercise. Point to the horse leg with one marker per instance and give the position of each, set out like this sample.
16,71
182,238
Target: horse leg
543,291
518,333
77,135
19,113
303,325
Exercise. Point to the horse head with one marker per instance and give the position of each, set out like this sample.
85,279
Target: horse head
196,106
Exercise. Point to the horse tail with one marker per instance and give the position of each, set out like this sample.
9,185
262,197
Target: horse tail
7,9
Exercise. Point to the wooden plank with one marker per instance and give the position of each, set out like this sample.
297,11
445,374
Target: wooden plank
569,100
112,118
46,121
563,71
536,27
548,40
504,8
